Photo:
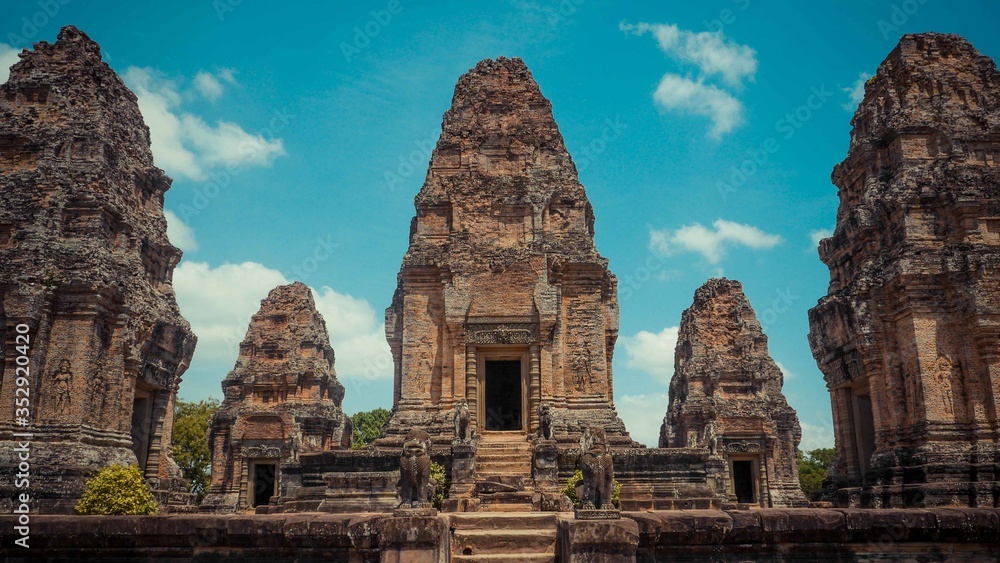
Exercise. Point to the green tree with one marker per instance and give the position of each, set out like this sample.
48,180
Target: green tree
368,426
440,476
117,490
812,469
190,443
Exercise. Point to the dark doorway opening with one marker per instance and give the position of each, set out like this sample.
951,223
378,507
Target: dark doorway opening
503,395
263,483
865,431
743,481
142,420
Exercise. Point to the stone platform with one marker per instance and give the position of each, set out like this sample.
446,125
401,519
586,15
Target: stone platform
940,534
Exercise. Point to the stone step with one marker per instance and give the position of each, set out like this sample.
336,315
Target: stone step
514,501
502,507
509,542
504,446
494,452
504,468
499,558
480,521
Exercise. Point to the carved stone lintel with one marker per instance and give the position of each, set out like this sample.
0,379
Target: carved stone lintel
261,452
744,447
502,333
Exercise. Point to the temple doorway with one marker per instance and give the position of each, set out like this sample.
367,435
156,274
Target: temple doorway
744,483
142,422
503,395
864,430
264,478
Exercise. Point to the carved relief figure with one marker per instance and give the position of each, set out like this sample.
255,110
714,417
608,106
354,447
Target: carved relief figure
415,487
98,393
598,472
296,442
582,375
63,380
711,438
943,371
544,421
463,430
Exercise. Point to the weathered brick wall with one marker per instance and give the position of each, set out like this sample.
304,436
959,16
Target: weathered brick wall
940,534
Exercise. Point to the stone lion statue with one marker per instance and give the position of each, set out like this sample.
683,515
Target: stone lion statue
544,421
598,473
415,487
463,430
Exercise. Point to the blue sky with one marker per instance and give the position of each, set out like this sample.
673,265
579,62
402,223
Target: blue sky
297,136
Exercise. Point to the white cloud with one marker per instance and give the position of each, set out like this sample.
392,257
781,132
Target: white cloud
218,302
208,85
710,51
227,74
357,334
711,243
8,56
815,436
180,234
688,96
643,415
712,55
652,353
787,373
183,144
819,234
856,92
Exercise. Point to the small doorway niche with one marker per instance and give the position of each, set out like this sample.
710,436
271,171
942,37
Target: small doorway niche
744,481
142,422
264,479
503,396
864,431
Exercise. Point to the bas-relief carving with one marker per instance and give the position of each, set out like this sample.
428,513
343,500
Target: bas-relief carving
62,380
744,447
519,333
260,452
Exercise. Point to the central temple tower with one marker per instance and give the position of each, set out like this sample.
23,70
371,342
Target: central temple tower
502,299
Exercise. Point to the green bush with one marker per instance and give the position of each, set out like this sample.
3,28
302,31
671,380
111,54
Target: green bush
117,490
569,489
443,484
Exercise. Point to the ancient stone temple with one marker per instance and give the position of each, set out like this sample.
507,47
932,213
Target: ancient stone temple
502,328
907,337
503,299
725,395
281,400
85,279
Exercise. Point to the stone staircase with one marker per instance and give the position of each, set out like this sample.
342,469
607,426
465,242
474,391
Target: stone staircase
503,538
503,473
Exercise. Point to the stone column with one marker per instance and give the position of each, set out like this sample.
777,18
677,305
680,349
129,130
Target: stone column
414,539
471,385
534,387
597,541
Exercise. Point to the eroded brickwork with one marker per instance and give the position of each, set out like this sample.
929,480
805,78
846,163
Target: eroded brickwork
726,396
502,267
908,337
282,400
86,264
